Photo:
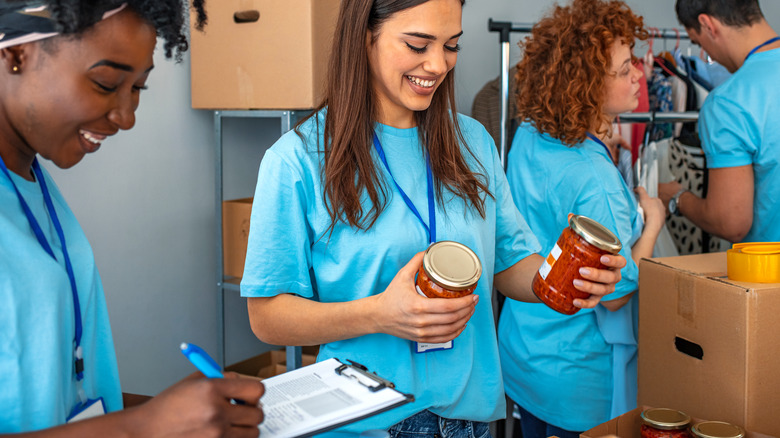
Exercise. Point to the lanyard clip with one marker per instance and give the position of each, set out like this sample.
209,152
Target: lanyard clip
78,362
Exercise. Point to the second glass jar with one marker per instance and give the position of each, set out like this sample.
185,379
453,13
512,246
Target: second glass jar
580,245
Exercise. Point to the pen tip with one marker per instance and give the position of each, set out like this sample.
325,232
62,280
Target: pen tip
183,346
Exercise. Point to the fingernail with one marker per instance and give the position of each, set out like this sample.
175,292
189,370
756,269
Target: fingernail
476,299
604,259
579,283
584,271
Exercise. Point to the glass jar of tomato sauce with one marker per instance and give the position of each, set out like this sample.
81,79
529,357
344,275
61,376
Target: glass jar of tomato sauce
448,270
664,423
716,429
580,245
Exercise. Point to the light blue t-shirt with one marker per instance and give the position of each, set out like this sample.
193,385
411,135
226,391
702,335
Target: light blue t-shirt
37,328
290,251
558,367
740,126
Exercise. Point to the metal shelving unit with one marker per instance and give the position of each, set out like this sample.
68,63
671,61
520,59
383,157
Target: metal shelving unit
231,284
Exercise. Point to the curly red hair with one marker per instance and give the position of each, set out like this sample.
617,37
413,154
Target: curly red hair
560,80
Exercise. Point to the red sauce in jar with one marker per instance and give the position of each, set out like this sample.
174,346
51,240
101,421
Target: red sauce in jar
580,245
449,270
652,432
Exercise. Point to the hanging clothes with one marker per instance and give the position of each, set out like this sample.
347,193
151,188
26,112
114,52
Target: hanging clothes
634,133
660,97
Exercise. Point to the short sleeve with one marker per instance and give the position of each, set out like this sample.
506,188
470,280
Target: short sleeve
278,257
726,133
514,238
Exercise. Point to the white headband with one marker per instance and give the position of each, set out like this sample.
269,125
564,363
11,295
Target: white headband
37,36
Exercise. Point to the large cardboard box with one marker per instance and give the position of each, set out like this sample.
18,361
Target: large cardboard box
629,425
235,235
262,54
709,346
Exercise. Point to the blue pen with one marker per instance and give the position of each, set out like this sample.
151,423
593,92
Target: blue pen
202,361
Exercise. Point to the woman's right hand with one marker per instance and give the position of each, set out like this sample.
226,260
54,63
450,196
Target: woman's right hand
404,313
200,407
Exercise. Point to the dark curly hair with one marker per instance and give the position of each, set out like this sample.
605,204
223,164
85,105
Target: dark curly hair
73,17
560,80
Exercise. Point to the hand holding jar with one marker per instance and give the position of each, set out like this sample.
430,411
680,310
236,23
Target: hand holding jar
407,314
584,249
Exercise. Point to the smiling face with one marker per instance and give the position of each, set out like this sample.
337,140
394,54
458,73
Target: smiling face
409,57
70,93
622,82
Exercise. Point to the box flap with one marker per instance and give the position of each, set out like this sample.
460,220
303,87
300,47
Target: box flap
712,265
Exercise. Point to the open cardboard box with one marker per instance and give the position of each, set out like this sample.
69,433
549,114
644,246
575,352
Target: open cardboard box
271,363
629,425
709,346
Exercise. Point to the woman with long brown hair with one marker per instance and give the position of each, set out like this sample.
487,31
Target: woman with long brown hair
570,373
344,205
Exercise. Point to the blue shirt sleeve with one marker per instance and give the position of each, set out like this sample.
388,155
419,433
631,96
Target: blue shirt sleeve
727,133
514,238
278,256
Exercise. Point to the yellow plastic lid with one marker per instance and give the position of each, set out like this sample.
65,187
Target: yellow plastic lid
755,262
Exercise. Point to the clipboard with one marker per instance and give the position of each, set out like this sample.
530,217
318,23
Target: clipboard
325,396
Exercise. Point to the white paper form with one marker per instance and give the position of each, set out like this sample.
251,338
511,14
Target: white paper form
316,398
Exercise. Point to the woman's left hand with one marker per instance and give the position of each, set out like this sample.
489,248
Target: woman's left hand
599,282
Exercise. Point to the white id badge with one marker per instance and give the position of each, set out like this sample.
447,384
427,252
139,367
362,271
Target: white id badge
424,347
91,408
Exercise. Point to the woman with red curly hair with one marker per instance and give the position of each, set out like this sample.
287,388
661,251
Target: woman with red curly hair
570,373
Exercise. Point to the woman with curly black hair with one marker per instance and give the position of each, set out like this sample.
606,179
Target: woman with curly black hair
71,74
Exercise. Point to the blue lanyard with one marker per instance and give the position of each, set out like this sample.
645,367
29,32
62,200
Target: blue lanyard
431,202
78,356
758,47
598,140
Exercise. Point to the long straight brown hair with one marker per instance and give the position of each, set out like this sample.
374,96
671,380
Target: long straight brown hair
349,168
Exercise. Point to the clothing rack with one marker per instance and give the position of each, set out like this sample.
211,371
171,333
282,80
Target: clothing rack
659,117
504,28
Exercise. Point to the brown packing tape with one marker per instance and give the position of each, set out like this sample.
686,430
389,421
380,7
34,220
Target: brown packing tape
686,298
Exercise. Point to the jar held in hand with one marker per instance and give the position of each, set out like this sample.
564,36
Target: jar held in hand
581,244
448,270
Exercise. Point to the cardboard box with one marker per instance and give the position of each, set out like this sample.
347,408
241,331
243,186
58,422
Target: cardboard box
272,363
709,346
262,54
235,235
629,425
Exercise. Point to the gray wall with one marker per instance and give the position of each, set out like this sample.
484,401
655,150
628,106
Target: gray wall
146,202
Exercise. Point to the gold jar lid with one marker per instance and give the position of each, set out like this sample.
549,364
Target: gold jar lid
717,429
452,265
665,419
594,233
